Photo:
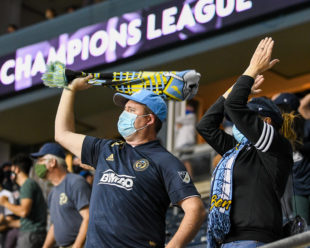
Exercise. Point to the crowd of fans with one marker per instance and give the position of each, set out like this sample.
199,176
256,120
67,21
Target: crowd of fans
273,142
51,13
24,211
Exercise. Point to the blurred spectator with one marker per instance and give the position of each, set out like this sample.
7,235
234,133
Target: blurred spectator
186,127
301,169
68,201
32,208
78,166
6,181
289,103
89,177
71,9
12,28
90,2
50,13
76,162
5,214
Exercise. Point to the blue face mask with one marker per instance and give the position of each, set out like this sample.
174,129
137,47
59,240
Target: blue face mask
126,123
237,134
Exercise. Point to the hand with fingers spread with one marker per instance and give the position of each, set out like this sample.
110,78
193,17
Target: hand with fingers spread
261,59
257,83
79,84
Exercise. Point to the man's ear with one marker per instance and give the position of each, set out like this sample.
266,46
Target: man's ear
151,120
53,162
267,120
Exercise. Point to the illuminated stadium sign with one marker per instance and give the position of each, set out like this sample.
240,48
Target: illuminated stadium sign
127,35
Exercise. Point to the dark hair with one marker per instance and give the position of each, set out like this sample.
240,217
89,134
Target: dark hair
1,176
23,162
158,123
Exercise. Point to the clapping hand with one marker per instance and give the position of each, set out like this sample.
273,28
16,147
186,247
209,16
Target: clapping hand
261,59
257,83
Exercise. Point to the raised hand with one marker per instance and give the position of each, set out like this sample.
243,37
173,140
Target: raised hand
257,83
79,84
261,59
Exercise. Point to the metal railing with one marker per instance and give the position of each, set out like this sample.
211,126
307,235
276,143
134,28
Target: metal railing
298,240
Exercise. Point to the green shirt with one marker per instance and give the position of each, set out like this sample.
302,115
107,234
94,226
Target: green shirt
36,219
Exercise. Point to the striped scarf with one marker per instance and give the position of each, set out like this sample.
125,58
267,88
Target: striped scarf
221,196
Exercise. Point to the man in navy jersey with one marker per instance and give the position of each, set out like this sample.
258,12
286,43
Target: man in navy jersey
136,180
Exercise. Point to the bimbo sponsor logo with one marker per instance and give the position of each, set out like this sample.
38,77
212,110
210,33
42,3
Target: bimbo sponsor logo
109,177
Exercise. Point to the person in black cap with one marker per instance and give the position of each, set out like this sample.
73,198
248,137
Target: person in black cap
247,183
136,180
68,201
32,208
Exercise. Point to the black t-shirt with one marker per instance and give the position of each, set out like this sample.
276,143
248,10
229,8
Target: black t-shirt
260,171
132,189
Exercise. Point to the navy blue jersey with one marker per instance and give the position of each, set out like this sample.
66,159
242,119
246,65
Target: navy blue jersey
132,189
64,202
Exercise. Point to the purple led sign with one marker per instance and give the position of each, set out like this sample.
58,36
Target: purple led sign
127,35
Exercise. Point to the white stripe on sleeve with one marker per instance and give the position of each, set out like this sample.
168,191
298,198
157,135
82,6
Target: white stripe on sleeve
266,138
262,136
270,140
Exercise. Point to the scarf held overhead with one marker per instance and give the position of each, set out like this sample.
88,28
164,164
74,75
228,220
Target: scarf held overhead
171,85
221,197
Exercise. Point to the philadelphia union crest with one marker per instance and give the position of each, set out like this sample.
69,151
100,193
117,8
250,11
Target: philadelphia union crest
141,164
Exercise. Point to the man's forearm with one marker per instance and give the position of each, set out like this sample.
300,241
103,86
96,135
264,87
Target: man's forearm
16,209
80,239
65,114
188,229
50,238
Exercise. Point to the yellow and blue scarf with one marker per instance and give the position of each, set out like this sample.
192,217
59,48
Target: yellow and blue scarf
221,196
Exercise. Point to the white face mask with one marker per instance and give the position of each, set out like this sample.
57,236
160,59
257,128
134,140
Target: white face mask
126,123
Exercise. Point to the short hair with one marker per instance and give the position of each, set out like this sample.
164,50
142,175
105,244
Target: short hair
60,161
158,123
23,162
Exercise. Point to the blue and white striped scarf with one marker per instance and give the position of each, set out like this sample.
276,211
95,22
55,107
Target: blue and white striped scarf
221,196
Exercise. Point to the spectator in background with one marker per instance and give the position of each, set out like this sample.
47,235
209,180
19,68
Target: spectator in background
89,177
186,127
68,201
90,2
6,181
12,28
71,9
50,13
289,103
32,208
76,165
6,216
301,168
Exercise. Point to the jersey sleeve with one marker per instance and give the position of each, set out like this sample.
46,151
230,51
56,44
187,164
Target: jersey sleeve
91,150
209,128
80,193
261,134
27,190
177,181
